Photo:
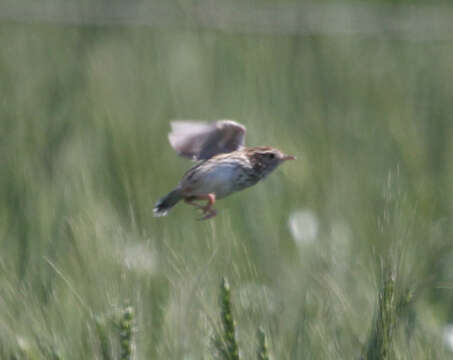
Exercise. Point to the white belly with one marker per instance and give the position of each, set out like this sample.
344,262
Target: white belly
218,179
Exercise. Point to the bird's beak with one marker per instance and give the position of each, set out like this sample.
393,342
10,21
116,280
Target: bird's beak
288,157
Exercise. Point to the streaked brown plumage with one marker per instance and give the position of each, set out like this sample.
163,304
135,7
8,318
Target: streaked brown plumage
225,165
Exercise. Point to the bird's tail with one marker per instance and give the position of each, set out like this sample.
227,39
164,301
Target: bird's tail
167,202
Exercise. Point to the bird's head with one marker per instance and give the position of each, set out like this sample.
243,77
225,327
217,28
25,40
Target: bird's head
266,159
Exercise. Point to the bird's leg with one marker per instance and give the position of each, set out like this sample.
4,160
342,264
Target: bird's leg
208,211
192,201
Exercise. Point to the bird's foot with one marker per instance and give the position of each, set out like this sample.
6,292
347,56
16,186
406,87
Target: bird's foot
208,211
207,214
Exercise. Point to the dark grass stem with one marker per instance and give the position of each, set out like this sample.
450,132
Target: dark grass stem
379,345
227,345
126,334
263,353
104,343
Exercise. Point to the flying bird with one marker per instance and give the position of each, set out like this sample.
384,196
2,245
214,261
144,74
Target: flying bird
224,164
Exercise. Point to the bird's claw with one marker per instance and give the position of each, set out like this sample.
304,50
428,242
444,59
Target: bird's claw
207,214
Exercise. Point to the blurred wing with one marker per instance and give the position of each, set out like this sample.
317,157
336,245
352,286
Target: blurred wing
200,141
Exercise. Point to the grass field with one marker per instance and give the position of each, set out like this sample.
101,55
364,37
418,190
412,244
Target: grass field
346,252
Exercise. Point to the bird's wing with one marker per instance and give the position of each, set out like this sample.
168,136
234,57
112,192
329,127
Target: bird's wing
200,141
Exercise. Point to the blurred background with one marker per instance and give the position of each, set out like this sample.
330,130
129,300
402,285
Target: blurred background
360,92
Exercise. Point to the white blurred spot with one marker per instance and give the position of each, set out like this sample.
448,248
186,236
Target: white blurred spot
448,336
23,344
140,258
304,226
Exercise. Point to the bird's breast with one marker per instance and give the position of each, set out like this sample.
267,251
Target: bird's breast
221,178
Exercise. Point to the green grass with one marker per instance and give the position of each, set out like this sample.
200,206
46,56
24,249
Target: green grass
84,113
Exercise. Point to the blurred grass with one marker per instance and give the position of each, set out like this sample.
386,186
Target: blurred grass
84,156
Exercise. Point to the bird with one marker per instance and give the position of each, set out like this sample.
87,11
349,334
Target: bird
224,164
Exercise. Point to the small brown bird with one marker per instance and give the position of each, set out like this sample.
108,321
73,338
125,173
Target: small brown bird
225,164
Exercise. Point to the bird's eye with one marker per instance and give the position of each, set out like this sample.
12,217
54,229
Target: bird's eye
270,156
